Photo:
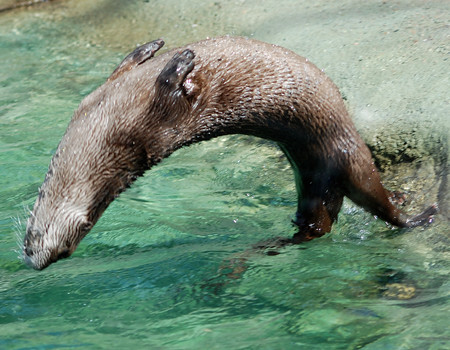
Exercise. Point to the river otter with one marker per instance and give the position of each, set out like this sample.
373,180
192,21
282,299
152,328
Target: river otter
151,106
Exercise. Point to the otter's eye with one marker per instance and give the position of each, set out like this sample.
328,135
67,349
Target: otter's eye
33,232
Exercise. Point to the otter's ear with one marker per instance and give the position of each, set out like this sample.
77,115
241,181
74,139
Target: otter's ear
171,78
137,57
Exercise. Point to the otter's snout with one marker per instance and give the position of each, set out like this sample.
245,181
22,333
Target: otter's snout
38,256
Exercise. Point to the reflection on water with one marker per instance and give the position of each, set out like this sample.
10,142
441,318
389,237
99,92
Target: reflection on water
147,275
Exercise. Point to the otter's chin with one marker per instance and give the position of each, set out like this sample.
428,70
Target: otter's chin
35,262
44,259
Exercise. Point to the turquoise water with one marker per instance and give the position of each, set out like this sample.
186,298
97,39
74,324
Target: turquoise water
153,271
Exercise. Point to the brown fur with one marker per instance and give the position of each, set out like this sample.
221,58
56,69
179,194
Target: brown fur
150,107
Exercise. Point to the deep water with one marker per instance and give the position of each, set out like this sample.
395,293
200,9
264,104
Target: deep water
155,271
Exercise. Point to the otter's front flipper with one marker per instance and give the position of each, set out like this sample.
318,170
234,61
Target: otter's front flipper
137,57
316,215
319,196
171,78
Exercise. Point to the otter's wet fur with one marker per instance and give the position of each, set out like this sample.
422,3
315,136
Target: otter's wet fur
151,106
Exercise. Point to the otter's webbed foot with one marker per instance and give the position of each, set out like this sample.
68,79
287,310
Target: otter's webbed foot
174,73
423,218
399,198
137,57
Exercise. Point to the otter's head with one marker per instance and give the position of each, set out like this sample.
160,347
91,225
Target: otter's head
118,131
100,155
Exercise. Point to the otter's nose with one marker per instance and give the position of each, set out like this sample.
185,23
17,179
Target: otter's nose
27,246
28,250
29,255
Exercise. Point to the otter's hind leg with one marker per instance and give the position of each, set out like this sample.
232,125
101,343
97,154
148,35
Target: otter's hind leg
367,191
137,57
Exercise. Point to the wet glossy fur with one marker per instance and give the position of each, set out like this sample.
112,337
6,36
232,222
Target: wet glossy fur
152,106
